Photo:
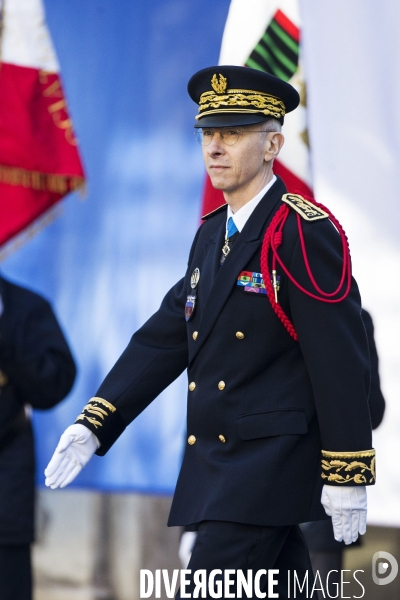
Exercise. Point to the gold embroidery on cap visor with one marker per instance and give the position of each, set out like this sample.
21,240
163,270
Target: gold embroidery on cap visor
349,468
237,101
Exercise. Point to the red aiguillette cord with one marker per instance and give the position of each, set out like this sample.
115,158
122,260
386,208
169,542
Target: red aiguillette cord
273,239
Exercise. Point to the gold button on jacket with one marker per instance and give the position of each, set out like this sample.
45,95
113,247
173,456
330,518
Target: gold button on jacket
240,335
191,440
192,386
221,385
195,334
3,379
222,438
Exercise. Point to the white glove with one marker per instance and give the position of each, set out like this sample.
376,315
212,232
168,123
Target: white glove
74,450
348,508
186,546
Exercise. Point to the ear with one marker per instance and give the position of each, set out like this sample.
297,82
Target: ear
275,141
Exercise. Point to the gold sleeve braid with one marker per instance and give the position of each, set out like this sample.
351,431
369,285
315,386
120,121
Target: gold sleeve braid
348,468
96,411
104,420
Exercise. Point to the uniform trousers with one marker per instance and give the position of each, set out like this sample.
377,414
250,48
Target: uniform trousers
15,572
226,545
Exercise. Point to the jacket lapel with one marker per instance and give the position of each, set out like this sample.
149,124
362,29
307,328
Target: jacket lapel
224,279
210,263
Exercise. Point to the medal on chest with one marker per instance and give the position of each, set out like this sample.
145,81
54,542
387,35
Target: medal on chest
191,299
253,282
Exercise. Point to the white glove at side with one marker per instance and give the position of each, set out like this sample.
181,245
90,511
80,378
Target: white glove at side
348,508
186,546
74,450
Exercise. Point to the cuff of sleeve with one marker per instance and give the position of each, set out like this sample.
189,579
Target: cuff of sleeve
103,419
348,468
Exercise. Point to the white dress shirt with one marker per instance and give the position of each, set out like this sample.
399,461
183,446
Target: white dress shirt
240,216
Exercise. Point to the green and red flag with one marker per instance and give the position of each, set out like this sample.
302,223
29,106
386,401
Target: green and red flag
265,35
39,158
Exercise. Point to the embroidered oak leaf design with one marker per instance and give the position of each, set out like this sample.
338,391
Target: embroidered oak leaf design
219,85
360,479
336,477
356,465
339,464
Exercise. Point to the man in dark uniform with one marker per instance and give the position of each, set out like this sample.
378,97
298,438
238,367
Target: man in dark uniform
275,378
37,370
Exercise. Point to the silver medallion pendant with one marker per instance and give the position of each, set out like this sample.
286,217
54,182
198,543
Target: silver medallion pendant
195,278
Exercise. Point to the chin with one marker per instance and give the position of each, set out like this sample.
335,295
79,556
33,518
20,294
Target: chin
217,183
217,186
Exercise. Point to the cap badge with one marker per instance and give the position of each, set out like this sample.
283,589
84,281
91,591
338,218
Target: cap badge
219,85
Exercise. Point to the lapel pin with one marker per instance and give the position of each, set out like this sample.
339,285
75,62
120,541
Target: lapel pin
195,278
189,307
191,299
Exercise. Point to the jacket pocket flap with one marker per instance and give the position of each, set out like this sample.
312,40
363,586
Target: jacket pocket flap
273,422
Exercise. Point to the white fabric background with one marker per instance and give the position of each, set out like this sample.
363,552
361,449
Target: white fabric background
25,37
352,67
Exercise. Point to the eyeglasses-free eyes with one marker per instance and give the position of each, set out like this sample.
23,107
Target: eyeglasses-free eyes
229,136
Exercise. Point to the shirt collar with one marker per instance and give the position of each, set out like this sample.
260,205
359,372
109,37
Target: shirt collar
240,216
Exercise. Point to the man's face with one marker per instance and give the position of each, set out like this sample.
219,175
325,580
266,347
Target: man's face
236,168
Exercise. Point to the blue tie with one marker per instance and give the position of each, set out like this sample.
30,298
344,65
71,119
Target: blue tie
232,229
230,239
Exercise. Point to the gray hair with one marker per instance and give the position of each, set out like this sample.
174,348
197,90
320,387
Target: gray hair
273,125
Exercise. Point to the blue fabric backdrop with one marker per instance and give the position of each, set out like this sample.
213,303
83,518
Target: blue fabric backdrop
107,262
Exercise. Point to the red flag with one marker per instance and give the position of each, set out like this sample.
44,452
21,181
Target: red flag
39,158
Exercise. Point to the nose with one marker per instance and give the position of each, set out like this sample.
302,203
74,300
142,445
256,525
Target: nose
216,146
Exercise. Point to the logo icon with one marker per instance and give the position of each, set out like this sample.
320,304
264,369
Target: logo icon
384,568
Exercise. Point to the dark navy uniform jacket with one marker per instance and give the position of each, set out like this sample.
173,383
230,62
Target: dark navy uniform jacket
319,534
261,406
36,368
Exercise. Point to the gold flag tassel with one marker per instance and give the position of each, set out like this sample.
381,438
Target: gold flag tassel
35,180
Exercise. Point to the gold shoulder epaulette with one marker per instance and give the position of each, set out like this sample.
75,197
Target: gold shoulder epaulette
214,212
305,208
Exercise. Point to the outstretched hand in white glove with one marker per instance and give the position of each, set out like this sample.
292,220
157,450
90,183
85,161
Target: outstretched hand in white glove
348,508
74,450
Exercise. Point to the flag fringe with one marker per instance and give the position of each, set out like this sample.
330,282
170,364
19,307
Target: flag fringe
35,180
30,231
